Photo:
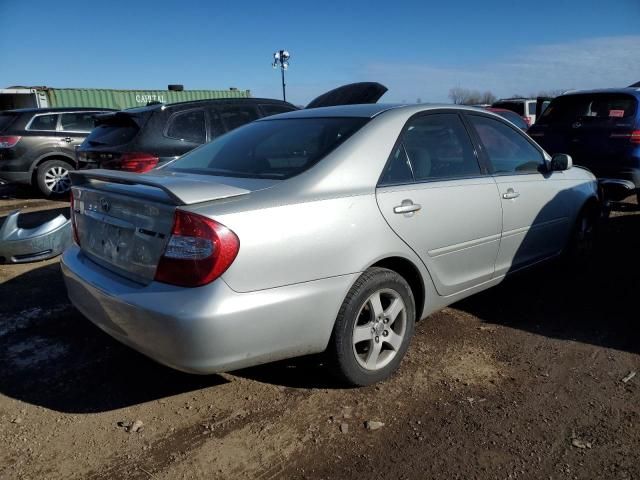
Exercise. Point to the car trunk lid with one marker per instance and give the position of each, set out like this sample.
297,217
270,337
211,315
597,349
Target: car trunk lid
123,220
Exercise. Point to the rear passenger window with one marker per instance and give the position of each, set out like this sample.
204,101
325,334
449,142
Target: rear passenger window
234,116
77,122
44,122
532,108
507,149
398,169
439,147
188,126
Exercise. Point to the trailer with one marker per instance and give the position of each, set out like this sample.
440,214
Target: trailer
43,97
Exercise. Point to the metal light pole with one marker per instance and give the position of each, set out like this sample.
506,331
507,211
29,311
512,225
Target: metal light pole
281,58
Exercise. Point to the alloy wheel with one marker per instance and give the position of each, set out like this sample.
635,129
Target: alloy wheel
379,330
57,179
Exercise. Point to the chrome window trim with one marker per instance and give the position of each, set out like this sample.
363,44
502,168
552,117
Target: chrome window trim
59,121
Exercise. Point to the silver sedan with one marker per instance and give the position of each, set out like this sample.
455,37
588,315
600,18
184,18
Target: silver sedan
329,229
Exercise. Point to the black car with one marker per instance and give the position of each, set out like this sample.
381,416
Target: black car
600,129
37,145
140,139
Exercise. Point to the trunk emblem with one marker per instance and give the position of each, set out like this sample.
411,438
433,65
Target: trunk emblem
105,205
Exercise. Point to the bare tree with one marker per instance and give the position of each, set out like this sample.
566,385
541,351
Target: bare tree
464,96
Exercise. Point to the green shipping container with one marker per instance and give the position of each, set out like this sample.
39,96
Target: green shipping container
28,97
121,99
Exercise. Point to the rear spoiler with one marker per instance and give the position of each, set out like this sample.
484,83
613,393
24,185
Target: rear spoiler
180,188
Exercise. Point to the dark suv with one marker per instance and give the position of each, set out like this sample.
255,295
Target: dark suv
600,129
140,139
37,145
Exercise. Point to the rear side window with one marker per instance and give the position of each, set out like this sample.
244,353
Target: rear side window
78,122
274,109
277,149
438,147
531,106
7,119
44,122
517,107
187,126
508,150
234,116
598,108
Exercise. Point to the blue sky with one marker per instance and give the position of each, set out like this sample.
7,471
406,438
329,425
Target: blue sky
417,49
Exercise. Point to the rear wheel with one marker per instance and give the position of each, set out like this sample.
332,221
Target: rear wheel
53,178
373,329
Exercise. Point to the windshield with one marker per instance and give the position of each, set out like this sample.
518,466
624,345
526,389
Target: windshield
589,108
276,149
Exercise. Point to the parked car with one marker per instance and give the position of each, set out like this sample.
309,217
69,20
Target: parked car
327,229
600,129
525,107
140,139
512,116
37,145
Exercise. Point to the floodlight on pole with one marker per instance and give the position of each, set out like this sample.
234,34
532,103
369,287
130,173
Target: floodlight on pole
281,59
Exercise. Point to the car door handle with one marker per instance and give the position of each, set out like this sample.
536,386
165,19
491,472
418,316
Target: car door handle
407,206
510,194
66,139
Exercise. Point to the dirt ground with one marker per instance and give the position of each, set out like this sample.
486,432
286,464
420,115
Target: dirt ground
524,381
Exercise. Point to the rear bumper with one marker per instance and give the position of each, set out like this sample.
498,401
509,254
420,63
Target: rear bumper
207,329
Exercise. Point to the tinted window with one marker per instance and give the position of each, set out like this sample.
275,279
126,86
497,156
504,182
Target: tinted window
274,109
517,107
514,118
187,126
44,122
6,119
78,122
234,116
399,168
508,150
602,108
438,146
276,149
216,128
115,129
531,106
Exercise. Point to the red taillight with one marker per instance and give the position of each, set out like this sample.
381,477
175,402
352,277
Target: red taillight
199,251
132,162
9,141
634,136
74,226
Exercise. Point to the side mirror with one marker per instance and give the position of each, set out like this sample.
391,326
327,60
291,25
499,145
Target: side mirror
561,162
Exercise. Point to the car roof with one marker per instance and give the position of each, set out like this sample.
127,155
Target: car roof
195,103
368,110
629,90
58,109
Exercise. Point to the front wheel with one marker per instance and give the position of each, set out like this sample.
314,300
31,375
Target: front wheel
53,178
373,328
583,238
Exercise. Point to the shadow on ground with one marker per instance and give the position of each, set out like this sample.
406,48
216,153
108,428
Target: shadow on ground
51,356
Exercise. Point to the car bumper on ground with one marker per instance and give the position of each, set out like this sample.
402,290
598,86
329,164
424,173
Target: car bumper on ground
206,329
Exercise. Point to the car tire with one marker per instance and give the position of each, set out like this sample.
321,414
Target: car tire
373,328
582,243
52,178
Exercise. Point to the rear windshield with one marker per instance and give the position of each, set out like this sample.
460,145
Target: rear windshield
517,107
599,108
113,130
277,149
6,119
